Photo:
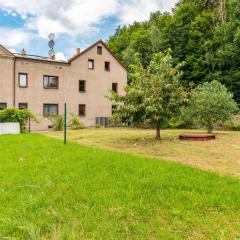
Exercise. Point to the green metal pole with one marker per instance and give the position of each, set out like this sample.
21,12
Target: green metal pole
65,123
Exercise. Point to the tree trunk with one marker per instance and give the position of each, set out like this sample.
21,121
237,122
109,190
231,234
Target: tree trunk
158,134
222,11
210,129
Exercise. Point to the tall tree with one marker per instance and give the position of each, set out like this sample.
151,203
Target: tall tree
155,94
202,33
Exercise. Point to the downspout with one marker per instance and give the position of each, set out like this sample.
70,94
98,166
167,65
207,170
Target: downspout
14,82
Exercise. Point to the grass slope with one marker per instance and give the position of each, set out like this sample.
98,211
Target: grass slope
220,155
51,191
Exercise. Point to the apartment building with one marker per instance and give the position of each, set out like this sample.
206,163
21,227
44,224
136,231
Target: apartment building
43,85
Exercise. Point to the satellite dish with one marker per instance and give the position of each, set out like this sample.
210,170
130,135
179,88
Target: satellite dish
51,53
51,36
51,43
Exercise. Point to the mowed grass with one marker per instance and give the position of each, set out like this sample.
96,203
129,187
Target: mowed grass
52,191
221,155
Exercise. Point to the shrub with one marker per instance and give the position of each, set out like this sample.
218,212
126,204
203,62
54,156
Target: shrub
230,125
75,123
16,115
58,123
210,104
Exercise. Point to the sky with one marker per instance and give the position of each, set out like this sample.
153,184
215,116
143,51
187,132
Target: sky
75,23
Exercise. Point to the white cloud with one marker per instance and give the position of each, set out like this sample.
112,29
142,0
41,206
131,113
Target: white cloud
137,10
60,56
12,50
74,17
72,21
15,37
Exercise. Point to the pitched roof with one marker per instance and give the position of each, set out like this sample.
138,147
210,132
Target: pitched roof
6,50
39,58
46,59
93,45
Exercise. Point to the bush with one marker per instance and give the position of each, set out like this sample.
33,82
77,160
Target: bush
75,123
16,115
58,123
231,126
210,104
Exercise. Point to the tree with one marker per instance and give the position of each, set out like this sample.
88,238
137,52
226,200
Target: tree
16,115
210,104
154,95
202,33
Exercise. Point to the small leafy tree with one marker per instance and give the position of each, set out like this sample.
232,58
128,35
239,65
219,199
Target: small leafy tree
58,122
210,104
154,95
75,123
16,115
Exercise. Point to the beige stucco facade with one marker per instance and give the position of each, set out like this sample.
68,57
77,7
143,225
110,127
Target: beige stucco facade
98,83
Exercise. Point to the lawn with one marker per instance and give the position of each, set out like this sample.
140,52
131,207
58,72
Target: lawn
52,191
221,155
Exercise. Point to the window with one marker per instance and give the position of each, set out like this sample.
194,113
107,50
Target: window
22,106
82,110
115,87
22,80
50,82
113,109
50,110
107,66
3,106
82,86
90,64
99,50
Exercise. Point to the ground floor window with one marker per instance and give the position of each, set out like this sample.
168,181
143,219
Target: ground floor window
22,106
115,87
114,107
82,110
3,106
50,110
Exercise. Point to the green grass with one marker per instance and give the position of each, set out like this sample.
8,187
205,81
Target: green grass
51,191
220,155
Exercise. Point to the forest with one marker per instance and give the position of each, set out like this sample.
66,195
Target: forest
204,35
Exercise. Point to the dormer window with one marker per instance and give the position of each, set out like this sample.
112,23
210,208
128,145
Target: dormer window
99,50
90,64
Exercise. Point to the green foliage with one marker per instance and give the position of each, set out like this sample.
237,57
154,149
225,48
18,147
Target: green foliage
154,95
205,34
210,104
58,122
16,115
231,125
75,123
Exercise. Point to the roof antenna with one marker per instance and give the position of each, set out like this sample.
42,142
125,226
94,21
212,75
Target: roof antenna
51,44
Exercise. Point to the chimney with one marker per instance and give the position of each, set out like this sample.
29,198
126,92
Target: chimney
23,52
77,51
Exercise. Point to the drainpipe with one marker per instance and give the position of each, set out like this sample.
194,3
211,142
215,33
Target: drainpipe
14,82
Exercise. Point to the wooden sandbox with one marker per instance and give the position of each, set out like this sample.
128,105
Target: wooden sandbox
197,136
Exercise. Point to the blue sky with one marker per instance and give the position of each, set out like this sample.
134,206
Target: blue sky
76,23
